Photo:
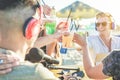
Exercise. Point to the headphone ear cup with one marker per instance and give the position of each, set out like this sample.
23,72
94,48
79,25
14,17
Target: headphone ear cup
113,26
30,28
95,27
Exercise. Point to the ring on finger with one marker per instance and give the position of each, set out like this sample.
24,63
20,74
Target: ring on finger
1,61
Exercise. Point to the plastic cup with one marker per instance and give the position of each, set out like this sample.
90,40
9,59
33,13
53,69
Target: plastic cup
50,27
67,40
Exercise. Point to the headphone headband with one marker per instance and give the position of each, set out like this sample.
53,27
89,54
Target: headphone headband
30,28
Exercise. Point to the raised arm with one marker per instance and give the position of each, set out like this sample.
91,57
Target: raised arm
91,70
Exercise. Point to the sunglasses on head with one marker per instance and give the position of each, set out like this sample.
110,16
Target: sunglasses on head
102,23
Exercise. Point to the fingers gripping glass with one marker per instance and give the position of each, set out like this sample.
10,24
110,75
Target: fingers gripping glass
102,23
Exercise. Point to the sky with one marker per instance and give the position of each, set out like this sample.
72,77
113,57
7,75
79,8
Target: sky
111,6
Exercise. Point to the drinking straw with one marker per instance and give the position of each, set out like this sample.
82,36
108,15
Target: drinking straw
44,4
69,15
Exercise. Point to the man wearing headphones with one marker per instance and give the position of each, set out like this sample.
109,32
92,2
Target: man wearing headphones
20,26
103,43
100,45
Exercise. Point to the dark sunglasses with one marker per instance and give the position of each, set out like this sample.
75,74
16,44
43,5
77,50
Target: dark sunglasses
102,23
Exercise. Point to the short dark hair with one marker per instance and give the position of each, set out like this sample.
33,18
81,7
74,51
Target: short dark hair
10,4
16,12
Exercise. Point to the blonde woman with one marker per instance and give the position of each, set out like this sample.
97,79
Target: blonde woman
102,43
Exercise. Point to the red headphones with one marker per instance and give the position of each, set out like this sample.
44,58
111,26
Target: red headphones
30,27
